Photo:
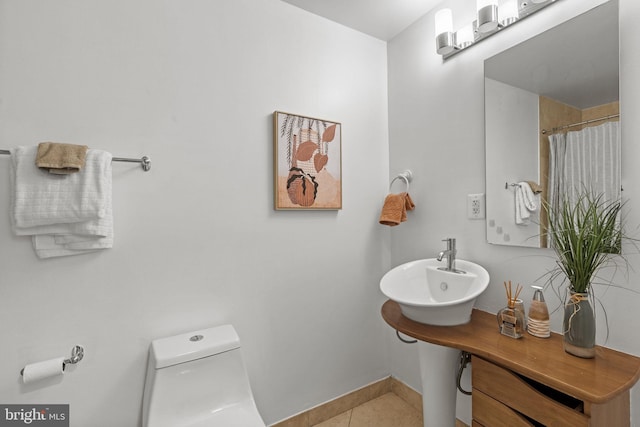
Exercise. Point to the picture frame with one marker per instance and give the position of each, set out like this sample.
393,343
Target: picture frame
307,162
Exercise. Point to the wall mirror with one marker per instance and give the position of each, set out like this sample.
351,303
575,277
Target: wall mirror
562,84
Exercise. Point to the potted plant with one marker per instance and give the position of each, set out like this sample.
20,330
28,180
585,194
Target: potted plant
585,234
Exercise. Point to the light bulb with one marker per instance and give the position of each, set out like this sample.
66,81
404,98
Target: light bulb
508,12
483,3
464,36
444,21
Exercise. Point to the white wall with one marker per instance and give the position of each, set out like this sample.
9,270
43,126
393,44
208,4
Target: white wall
511,156
436,124
193,84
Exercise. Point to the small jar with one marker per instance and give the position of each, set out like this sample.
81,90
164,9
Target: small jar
511,322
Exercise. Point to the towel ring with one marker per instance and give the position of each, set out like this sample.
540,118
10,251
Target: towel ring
406,176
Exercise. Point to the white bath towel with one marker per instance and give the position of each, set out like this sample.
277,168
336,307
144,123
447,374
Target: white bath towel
76,238
525,203
47,247
68,214
42,199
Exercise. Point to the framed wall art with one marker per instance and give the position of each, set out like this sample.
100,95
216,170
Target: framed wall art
307,162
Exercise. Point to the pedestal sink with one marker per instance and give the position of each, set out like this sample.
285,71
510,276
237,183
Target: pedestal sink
428,294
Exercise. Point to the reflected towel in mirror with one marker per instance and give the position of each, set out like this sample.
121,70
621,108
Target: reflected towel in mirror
525,203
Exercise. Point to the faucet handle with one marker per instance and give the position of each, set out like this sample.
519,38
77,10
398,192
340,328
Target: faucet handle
451,243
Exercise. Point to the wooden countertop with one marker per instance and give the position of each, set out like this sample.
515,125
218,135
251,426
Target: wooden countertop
542,359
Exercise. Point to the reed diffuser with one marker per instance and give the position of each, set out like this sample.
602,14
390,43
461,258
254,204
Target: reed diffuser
511,318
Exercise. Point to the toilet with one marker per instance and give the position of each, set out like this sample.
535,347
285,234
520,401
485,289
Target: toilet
198,379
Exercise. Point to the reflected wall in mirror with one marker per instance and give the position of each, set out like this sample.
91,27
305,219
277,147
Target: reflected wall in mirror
551,103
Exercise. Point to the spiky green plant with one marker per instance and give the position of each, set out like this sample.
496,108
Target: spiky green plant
584,235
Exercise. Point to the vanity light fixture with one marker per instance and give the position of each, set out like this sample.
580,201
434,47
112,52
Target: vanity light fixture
492,17
444,32
487,15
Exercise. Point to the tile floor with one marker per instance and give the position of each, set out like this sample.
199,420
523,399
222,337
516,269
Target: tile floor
387,410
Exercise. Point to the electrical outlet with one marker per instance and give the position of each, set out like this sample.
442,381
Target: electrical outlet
475,206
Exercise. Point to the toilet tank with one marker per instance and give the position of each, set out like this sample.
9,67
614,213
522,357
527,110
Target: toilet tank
192,376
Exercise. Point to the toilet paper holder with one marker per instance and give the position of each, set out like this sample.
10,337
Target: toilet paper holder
77,353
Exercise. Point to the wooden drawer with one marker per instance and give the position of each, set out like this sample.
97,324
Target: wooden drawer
512,390
489,412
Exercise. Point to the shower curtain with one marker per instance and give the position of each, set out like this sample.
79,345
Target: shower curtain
588,159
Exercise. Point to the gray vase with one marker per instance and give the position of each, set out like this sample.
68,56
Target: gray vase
579,326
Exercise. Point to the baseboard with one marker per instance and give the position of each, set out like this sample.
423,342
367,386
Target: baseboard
338,405
355,398
407,394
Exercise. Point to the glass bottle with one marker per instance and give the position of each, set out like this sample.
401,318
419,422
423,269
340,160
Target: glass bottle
511,321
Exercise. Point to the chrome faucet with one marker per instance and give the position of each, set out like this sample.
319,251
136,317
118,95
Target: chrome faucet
450,253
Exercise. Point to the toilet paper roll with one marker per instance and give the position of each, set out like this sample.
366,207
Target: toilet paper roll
42,370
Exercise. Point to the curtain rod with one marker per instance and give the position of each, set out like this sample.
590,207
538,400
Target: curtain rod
145,161
612,116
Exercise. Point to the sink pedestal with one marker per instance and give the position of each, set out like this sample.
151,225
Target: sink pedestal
438,371
429,295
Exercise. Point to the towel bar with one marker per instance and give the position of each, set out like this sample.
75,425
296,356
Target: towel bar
145,161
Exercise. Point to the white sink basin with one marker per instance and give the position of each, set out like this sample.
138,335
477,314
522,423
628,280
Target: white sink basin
432,296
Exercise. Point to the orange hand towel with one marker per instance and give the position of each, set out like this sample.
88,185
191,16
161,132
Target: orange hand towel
394,210
61,158
408,203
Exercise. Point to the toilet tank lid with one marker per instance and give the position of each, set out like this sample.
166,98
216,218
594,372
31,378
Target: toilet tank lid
193,345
